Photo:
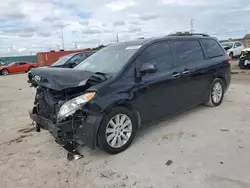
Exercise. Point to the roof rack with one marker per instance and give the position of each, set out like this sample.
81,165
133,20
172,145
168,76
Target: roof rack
189,34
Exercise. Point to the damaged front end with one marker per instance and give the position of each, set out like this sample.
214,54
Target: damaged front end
244,61
64,109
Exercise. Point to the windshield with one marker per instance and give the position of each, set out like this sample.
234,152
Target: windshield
12,63
62,60
109,60
227,44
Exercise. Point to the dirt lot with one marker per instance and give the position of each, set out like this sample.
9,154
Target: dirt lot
203,147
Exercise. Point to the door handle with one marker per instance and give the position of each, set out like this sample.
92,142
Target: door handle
176,75
186,72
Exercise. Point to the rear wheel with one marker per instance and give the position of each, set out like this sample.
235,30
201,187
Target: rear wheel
5,72
117,130
216,93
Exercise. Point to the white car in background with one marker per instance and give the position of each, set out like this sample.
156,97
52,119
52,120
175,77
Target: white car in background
233,48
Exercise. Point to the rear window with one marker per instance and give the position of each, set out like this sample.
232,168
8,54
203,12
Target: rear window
188,51
212,48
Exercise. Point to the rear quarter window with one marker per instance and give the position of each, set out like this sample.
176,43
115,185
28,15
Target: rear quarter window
212,48
188,51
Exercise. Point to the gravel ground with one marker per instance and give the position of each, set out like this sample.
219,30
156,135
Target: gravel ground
202,147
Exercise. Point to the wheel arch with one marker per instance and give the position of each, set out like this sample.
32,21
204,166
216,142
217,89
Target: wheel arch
5,69
127,105
223,79
119,104
231,52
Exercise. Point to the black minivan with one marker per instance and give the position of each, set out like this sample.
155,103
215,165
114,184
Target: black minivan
106,98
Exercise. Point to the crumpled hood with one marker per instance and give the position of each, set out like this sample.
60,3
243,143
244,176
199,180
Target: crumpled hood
60,78
3,67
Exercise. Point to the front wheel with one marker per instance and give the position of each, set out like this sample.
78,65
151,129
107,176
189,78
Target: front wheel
5,72
231,55
216,93
117,130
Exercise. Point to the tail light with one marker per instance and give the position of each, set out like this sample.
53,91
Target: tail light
229,59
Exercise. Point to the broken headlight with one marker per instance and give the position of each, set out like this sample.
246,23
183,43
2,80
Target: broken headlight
71,106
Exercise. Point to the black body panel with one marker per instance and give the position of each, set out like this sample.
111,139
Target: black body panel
174,87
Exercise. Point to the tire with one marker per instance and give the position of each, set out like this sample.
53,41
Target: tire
231,55
214,90
5,72
242,66
105,138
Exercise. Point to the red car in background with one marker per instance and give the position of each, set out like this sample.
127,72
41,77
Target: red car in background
15,67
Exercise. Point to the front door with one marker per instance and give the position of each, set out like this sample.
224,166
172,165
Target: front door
23,67
15,67
156,95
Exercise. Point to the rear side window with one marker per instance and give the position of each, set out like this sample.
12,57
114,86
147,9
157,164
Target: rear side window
76,59
188,51
238,44
159,54
212,48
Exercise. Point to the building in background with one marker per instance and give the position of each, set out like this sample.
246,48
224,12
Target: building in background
48,58
245,40
8,60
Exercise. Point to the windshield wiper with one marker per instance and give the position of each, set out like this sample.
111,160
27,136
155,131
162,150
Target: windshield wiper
105,75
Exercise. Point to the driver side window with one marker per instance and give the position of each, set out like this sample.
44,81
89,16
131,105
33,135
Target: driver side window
159,54
77,59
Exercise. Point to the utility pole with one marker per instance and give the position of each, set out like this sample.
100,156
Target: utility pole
117,38
62,26
192,26
75,45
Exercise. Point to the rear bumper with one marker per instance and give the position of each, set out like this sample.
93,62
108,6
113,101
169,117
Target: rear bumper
82,131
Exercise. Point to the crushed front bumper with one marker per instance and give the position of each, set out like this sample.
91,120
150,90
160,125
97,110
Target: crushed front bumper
82,131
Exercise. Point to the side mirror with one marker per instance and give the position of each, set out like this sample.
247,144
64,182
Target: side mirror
148,68
71,65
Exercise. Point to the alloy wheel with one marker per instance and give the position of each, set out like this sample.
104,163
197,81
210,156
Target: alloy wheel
118,130
5,72
217,92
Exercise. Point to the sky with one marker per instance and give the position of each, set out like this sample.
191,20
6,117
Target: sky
31,26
